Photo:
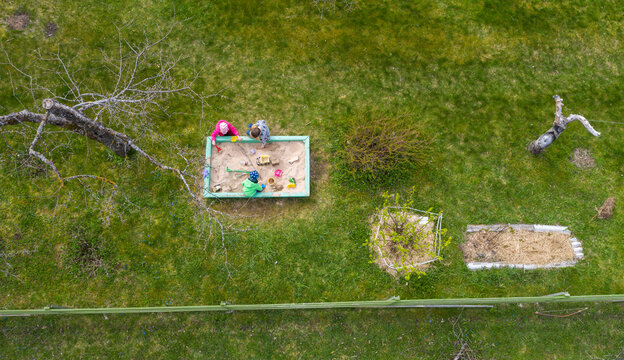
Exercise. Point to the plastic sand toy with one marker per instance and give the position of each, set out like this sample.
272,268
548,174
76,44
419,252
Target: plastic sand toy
241,171
278,173
263,160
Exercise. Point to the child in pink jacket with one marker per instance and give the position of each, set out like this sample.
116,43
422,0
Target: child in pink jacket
223,128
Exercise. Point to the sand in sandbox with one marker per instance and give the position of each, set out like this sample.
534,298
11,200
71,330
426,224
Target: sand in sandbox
518,247
234,156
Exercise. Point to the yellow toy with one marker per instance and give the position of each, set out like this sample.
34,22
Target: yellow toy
263,160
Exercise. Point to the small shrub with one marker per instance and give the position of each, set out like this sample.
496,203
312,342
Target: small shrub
404,233
382,148
400,243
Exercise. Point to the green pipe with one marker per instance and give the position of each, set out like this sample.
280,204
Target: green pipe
394,302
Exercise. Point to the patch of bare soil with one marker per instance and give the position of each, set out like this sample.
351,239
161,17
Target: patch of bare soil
50,29
517,247
262,209
386,252
18,21
606,210
582,159
318,169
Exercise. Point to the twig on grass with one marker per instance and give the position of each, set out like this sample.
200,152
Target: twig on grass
8,267
461,338
562,316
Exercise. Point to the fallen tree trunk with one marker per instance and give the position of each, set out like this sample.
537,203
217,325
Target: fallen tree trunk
559,125
74,120
116,141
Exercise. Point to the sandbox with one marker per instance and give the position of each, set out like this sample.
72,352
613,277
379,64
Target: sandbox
521,246
290,154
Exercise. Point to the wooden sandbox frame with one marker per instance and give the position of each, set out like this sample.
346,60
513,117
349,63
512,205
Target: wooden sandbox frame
263,194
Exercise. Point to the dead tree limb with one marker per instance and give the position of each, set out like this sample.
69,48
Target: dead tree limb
559,125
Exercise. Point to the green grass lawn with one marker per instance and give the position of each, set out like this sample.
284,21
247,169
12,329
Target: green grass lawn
478,75
508,332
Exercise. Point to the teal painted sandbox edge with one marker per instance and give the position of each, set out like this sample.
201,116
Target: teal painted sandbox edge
245,139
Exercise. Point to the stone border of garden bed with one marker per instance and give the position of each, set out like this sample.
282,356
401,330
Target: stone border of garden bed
576,246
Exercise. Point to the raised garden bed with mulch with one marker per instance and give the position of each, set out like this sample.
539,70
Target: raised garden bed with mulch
520,246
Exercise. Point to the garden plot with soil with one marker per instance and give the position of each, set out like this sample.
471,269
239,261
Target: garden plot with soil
286,154
520,246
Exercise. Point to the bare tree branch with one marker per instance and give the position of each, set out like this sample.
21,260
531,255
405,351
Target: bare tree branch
559,125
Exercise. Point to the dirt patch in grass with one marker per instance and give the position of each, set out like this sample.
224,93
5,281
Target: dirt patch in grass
386,253
50,29
606,210
18,21
582,159
517,247
264,209
318,169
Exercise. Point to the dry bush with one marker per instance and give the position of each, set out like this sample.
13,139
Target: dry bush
377,147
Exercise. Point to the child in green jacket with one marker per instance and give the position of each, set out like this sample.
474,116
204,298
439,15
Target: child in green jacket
251,186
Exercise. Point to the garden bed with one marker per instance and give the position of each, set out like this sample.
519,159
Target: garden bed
385,252
520,246
291,152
